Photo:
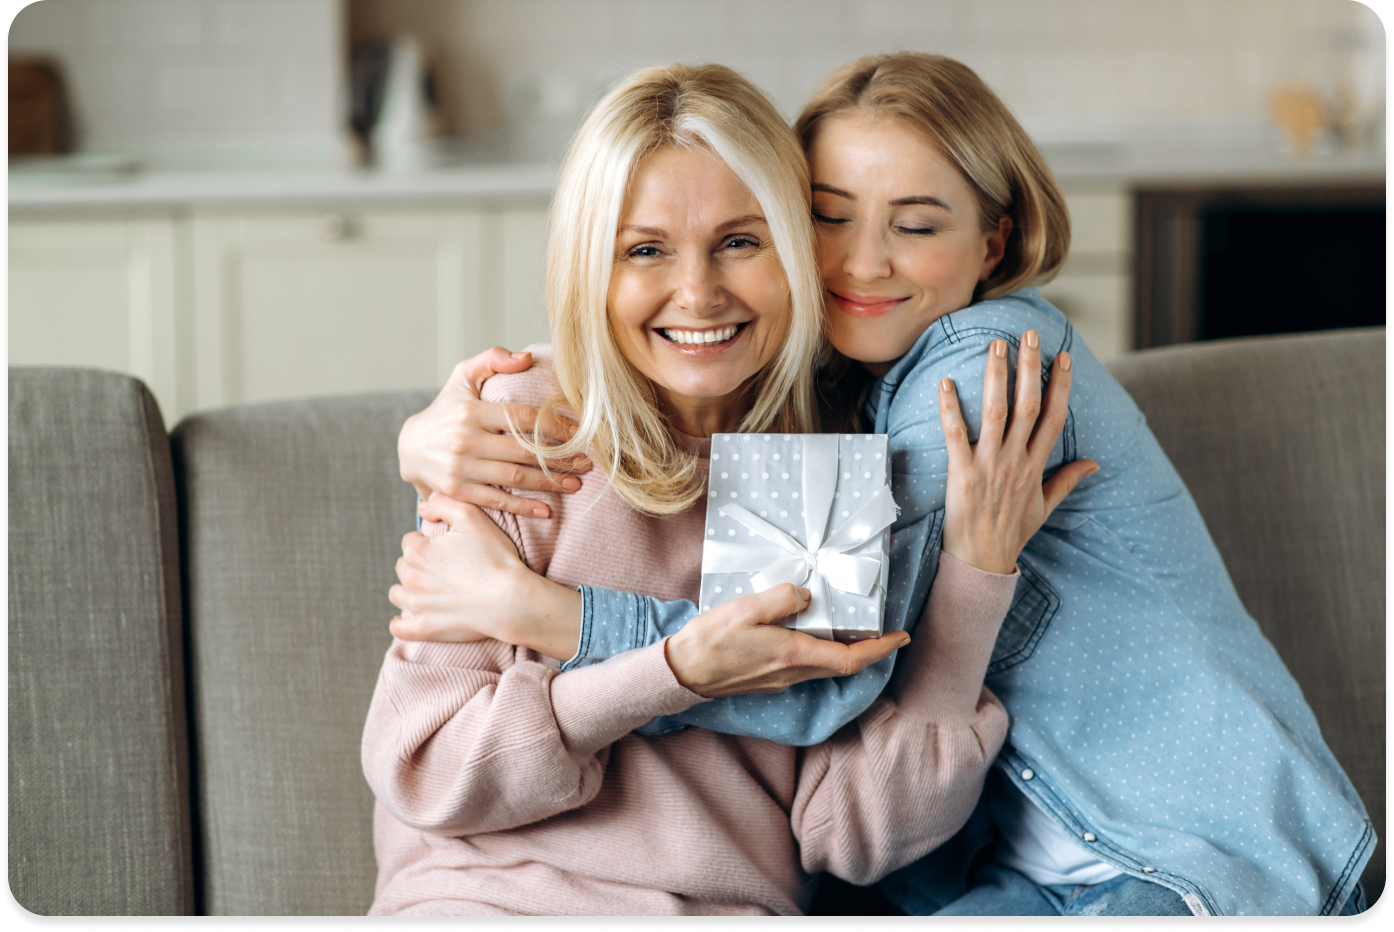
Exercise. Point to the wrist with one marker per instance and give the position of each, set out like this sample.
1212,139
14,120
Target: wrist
547,615
677,651
988,562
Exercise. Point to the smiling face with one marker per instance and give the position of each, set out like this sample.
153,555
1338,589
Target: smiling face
698,300
900,242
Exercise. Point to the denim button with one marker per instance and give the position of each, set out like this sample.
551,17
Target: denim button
1028,774
1090,836
1149,870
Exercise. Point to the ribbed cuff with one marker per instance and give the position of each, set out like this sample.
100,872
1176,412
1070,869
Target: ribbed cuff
947,660
598,704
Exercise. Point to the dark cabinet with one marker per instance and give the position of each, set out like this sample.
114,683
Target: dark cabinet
1214,262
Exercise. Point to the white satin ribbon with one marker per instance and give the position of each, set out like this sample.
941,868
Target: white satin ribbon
823,563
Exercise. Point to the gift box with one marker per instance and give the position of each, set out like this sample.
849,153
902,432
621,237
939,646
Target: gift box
814,510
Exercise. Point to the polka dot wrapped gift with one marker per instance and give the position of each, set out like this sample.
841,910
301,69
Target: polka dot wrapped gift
814,510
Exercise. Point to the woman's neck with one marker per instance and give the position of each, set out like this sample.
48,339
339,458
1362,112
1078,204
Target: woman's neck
703,417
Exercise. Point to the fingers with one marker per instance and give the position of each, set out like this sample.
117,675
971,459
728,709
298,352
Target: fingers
775,604
455,514
955,431
476,370
1055,411
1027,405
874,650
994,399
497,471
1054,489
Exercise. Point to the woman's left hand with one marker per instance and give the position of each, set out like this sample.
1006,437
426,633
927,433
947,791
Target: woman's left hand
995,500
469,584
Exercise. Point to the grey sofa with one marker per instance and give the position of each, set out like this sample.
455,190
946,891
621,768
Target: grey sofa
196,620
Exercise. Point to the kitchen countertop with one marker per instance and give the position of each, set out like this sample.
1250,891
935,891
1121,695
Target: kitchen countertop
1159,156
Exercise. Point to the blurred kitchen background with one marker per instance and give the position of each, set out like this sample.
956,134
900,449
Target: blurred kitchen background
243,200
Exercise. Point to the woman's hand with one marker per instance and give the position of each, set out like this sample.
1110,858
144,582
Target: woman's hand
740,647
459,445
996,500
468,584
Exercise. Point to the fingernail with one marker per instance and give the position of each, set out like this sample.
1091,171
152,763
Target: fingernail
539,512
803,593
1065,362
571,483
903,641
1092,471
946,385
520,355
1000,348
1033,339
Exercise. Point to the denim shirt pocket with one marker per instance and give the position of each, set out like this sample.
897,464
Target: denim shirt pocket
1034,606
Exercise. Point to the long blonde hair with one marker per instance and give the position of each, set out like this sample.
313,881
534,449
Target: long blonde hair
622,427
951,106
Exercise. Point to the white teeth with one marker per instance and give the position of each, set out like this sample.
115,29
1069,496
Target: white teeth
699,337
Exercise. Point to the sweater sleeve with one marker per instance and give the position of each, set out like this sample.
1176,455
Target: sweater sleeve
905,776
480,737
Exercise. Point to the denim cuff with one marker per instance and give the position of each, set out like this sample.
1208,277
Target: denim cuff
611,623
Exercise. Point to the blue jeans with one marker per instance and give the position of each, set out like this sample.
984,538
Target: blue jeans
1001,891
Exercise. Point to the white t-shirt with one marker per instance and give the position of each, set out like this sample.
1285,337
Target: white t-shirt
1033,844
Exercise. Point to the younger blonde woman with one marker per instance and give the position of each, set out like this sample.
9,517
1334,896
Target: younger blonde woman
685,302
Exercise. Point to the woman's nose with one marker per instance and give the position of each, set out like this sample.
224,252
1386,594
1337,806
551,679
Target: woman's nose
698,289
867,257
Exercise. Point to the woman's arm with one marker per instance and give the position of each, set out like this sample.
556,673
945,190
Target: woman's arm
460,446
813,709
478,737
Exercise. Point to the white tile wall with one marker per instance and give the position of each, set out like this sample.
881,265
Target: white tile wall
1046,58
194,70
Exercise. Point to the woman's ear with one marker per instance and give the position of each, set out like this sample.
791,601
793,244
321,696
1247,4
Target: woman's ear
994,247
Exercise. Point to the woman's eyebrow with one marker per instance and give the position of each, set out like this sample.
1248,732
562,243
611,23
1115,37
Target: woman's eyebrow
838,192
646,231
923,200
742,221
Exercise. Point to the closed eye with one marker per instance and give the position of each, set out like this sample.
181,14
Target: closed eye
916,231
823,218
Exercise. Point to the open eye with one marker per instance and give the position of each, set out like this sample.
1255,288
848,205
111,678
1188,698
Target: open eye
645,251
741,241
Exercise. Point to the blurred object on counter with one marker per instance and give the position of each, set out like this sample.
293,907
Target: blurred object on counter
393,104
1331,96
40,119
1298,111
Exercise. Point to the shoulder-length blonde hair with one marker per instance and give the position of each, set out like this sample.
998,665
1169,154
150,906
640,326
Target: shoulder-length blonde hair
944,100
622,427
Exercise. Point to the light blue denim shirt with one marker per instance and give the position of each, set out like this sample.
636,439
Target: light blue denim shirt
1150,718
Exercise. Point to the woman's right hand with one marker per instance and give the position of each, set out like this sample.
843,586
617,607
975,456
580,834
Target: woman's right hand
460,446
740,647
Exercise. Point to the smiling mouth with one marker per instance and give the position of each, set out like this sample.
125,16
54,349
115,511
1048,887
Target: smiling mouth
696,341
862,306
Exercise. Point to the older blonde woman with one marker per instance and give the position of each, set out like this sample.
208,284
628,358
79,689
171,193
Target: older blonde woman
684,301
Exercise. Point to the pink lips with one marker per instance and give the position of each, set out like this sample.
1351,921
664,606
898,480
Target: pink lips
865,305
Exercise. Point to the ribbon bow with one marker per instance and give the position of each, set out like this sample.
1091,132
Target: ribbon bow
824,562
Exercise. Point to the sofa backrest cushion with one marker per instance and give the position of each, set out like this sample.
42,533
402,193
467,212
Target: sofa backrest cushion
99,814
1281,442
292,516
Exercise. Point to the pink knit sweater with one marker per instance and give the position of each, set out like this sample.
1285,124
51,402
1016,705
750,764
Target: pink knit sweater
504,786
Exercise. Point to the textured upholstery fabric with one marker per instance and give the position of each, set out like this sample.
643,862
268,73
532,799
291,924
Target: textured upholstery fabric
293,514
1281,442
99,814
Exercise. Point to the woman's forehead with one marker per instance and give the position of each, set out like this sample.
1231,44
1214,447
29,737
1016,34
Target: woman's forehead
686,182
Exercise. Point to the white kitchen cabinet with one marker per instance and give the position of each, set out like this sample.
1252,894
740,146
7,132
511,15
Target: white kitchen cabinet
102,292
220,307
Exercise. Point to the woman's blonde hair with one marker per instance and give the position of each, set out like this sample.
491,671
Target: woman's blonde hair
951,106
622,427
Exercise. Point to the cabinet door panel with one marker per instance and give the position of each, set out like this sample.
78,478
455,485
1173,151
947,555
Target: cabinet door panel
97,292
298,304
